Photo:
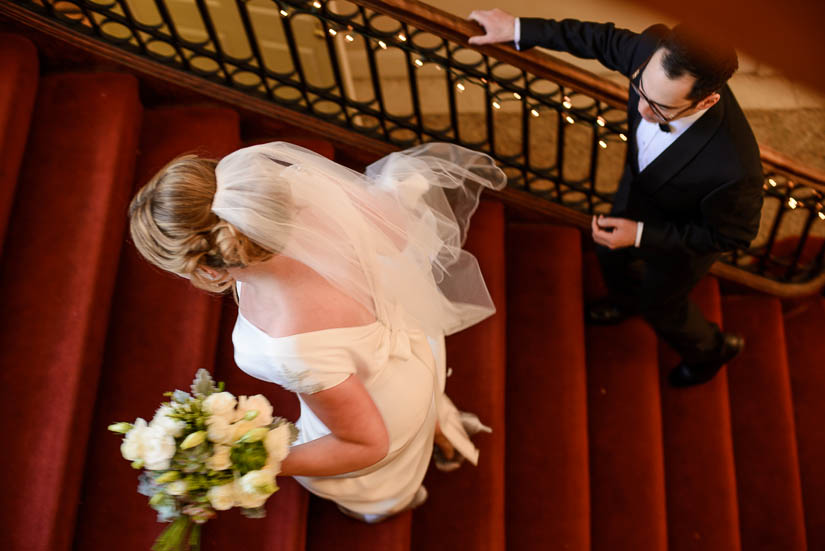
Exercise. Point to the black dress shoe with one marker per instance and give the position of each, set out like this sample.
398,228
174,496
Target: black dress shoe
604,312
684,374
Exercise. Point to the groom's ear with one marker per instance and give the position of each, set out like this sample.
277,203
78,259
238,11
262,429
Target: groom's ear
709,101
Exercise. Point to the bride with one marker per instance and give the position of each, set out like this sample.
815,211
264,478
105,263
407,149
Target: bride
346,285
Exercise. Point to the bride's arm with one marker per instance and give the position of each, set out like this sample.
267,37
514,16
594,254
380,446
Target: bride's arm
358,436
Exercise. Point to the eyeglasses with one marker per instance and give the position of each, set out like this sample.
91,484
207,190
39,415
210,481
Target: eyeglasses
655,107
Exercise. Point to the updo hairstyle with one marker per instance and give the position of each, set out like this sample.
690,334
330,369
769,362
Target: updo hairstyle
173,227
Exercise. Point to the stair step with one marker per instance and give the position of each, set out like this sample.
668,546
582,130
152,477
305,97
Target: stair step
699,468
548,504
57,278
329,529
627,479
465,509
764,441
18,90
161,331
284,527
804,334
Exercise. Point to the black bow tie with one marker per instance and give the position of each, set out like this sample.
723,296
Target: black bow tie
664,127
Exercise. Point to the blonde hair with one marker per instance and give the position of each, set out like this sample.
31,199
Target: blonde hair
173,227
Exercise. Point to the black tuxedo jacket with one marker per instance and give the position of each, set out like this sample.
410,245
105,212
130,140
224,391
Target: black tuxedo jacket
702,195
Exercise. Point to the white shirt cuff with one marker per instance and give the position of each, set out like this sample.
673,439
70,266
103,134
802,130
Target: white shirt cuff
640,226
517,33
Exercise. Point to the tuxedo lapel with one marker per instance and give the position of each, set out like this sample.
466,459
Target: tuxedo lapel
684,149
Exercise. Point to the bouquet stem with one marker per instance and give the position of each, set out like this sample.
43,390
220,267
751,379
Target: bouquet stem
181,535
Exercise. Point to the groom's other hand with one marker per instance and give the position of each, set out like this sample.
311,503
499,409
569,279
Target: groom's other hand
614,233
499,26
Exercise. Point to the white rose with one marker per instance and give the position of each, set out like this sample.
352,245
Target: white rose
254,488
177,488
250,501
219,430
277,446
258,482
256,403
220,458
172,427
158,449
132,446
220,403
222,497
240,428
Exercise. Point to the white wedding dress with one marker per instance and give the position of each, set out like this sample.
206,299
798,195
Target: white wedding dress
391,238
404,373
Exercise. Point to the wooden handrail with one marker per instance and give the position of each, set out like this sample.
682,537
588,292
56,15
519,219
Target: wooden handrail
813,178
448,26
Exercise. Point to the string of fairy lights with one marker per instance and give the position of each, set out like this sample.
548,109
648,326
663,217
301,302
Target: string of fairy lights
534,106
461,80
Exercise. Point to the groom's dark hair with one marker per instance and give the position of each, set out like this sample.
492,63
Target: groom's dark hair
686,52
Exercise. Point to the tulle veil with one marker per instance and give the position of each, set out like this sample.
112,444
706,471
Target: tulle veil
391,238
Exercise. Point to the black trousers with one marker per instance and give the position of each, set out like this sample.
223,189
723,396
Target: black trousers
657,288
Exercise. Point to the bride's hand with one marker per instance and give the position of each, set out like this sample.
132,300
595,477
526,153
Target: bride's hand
499,26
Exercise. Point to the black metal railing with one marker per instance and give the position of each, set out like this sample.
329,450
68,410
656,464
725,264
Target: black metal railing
401,72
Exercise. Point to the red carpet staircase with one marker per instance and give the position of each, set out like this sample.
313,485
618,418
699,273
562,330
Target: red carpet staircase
590,449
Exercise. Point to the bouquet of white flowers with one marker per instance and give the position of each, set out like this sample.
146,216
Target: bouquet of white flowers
204,452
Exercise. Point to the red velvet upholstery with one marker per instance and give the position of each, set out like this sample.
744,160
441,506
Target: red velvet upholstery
57,278
764,442
548,505
805,335
161,331
465,509
701,484
284,528
18,88
627,479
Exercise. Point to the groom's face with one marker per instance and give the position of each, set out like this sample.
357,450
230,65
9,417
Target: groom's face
670,95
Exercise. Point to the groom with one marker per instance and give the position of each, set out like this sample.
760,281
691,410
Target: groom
692,182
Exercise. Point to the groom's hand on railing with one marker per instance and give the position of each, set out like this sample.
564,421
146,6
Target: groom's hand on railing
499,26
614,233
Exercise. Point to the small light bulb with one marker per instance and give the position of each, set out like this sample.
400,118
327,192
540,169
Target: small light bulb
401,37
516,95
772,182
822,215
284,13
349,38
460,87
496,105
483,80
603,144
600,121
792,203
791,184
570,119
382,44
623,137
333,32
317,4
419,62
534,112
566,103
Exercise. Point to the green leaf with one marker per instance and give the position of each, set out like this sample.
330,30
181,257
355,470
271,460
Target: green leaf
203,385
